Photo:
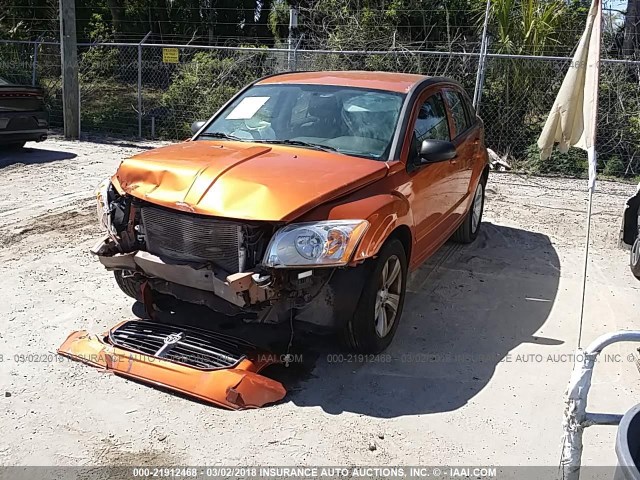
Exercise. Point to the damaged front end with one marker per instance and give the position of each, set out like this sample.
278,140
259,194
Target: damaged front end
215,368
262,271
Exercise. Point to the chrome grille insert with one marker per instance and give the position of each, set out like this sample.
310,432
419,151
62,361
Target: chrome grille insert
193,347
190,237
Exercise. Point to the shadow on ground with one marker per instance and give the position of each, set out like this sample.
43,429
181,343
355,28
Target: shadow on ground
32,156
466,309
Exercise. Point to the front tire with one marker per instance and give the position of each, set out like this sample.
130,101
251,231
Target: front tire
131,285
376,317
468,231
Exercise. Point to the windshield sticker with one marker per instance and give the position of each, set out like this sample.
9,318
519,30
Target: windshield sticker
247,108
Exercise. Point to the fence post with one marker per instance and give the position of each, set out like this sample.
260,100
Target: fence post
295,53
293,26
69,64
34,67
477,93
140,84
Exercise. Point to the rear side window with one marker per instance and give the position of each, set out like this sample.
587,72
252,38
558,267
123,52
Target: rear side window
431,123
459,111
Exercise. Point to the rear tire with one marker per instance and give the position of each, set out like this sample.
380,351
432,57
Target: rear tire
376,317
468,231
634,258
130,285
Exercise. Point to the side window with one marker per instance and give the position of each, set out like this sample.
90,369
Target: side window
432,123
461,119
471,112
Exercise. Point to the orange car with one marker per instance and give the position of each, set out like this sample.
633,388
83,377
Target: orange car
308,196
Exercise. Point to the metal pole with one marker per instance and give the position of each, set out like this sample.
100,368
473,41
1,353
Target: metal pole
586,260
140,84
592,156
34,70
295,53
293,25
477,93
483,72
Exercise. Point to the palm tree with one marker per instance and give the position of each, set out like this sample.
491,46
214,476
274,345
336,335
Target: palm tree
526,27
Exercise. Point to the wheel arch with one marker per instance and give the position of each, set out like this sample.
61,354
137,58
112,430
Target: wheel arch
403,233
390,216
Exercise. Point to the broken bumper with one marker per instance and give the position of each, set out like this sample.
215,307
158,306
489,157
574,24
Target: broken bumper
239,289
236,387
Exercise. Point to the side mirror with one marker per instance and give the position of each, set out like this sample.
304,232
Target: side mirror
432,151
195,126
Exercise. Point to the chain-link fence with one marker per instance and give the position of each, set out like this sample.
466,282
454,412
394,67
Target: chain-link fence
157,91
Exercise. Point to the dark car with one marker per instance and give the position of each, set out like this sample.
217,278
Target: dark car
631,231
23,115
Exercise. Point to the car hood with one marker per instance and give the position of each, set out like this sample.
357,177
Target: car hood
243,180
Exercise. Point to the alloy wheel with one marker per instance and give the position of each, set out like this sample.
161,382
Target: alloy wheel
477,208
388,296
635,252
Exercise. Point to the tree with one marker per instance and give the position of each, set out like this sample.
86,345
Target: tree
631,28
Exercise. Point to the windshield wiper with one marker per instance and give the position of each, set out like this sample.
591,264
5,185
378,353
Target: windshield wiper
300,143
220,135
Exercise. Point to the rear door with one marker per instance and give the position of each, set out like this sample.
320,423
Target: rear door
466,138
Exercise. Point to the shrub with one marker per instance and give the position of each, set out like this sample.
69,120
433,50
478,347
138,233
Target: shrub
201,86
574,163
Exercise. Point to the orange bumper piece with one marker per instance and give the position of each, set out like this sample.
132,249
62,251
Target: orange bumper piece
234,388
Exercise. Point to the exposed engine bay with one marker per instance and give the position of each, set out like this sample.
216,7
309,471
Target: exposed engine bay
204,260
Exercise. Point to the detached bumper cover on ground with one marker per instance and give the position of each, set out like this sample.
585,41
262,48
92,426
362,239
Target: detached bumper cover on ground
184,362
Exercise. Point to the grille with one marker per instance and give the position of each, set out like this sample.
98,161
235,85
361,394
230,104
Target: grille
190,237
193,347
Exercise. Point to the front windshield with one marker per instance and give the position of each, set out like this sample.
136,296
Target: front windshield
352,121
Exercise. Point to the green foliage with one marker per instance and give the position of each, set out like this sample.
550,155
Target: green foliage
99,63
614,167
573,163
109,107
279,20
529,27
201,86
98,29
376,25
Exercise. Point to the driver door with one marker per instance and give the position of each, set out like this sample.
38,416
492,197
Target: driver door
433,184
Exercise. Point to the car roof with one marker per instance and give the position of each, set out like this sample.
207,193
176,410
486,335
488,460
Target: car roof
392,82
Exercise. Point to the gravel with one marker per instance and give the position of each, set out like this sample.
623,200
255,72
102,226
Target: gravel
475,376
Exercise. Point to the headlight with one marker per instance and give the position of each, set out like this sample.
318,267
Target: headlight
315,244
102,206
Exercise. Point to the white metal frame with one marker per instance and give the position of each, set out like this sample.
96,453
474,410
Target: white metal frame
576,417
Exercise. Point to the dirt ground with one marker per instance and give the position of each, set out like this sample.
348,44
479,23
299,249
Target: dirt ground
479,364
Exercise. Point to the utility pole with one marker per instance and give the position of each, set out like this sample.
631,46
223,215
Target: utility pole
69,59
293,28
